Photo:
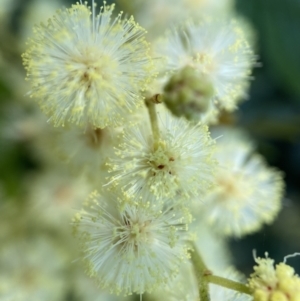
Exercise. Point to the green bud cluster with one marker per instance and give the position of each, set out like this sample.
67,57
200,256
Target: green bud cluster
188,93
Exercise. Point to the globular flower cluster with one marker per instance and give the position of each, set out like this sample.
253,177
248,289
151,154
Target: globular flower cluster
158,15
247,193
168,166
219,52
272,283
85,151
131,248
88,69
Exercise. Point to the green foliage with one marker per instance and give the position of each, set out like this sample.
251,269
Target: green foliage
277,23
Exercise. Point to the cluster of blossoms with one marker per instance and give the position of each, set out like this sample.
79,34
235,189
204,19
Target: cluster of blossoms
134,248
237,204
97,66
274,283
134,118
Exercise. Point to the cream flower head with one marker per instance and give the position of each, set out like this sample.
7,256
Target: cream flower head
158,15
247,193
179,163
269,283
217,50
86,150
86,68
131,248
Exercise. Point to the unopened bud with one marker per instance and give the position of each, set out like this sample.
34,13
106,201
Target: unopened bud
188,93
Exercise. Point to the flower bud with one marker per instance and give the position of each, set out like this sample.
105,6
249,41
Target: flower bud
188,93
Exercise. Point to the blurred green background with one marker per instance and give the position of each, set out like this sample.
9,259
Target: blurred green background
272,116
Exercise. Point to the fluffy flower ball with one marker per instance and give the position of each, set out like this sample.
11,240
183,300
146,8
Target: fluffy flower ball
158,15
130,248
247,193
179,163
269,283
86,68
216,49
85,151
